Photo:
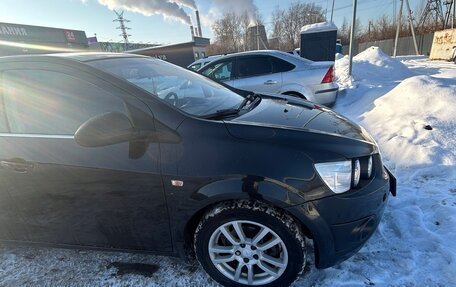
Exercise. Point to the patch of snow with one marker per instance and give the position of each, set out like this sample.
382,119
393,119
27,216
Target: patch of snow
339,56
372,65
318,27
415,244
399,117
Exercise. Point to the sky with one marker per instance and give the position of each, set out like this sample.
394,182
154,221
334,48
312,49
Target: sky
96,16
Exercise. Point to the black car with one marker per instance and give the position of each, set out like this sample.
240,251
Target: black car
124,152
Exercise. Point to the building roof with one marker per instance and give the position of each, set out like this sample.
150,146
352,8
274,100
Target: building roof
318,27
197,41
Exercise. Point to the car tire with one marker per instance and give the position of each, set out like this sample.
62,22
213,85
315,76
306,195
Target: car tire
231,261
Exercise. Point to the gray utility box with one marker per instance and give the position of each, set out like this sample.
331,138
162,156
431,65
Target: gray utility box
318,41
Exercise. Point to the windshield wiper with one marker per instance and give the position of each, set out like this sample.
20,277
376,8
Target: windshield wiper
251,99
221,114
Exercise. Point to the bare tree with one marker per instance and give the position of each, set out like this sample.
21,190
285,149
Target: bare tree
344,32
230,32
287,23
227,32
276,39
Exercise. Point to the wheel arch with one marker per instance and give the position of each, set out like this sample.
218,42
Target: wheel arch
301,91
192,223
295,94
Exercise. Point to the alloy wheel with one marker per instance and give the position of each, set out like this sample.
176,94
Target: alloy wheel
248,252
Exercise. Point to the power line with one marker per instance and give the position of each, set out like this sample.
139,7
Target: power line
365,8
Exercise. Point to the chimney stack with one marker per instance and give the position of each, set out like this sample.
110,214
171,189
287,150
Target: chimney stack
193,32
200,34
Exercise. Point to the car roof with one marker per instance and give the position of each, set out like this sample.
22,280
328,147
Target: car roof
255,52
78,57
207,59
297,61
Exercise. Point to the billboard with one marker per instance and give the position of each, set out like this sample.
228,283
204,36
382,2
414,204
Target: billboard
33,34
443,44
17,39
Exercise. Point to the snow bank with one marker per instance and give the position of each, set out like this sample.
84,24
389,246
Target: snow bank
318,27
399,118
339,56
419,225
374,65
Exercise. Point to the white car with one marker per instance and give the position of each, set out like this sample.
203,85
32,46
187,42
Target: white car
276,72
198,64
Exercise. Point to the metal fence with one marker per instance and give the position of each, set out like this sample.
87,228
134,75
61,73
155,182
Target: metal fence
404,46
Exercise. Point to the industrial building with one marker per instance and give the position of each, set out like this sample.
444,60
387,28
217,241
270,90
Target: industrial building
182,54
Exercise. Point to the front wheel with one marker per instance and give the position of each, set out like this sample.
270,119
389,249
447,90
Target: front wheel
250,244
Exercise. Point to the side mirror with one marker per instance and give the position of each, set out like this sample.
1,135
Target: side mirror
106,129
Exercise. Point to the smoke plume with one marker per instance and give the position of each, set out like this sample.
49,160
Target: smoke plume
186,3
171,10
237,6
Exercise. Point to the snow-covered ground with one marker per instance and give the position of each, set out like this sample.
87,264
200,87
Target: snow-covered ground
415,244
409,106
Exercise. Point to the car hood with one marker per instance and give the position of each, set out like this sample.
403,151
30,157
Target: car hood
286,113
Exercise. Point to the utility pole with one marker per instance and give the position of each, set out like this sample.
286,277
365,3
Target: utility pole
122,27
411,27
398,28
332,11
399,22
352,38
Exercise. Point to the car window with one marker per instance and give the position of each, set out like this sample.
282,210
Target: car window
186,90
221,71
48,102
253,66
280,66
195,67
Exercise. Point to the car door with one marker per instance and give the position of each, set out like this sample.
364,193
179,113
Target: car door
256,73
221,71
55,191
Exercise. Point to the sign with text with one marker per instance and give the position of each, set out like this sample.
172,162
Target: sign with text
442,46
37,34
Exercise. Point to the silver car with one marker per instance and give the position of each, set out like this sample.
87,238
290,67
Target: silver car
276,72
202,62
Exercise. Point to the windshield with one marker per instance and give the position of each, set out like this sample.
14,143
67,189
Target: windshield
188,91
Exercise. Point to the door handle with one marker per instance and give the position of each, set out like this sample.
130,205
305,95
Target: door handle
270,82
17,164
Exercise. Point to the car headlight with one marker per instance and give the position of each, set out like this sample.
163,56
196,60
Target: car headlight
369,167
337,175
356,173
366,167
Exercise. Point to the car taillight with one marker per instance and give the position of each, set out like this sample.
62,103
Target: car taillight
329,77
